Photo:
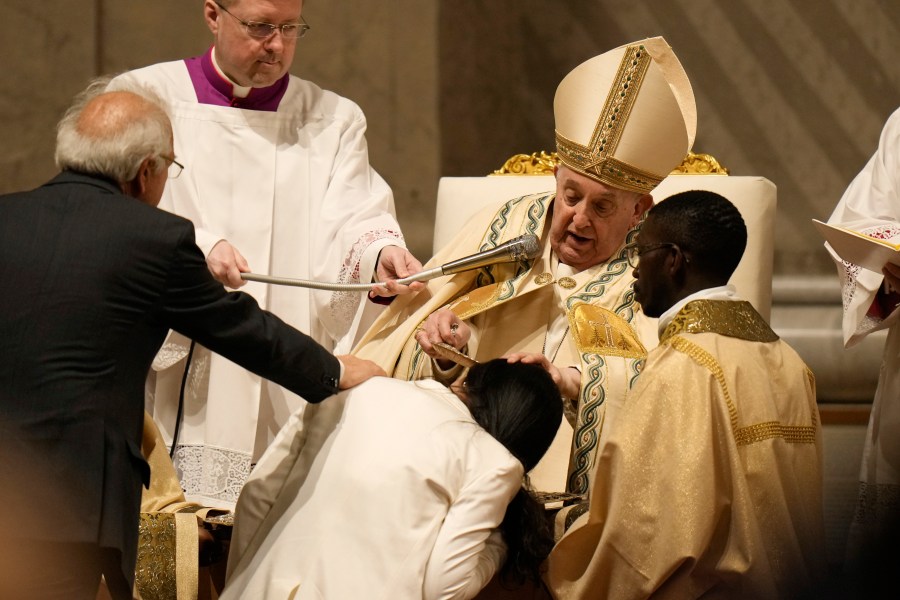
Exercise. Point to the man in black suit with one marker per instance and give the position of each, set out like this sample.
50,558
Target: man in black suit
93,276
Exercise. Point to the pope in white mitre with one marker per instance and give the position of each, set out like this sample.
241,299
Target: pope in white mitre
624,120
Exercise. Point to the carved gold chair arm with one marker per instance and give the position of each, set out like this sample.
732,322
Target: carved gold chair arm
543,163
699,164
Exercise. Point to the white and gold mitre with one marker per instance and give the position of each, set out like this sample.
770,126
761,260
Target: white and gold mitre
627,117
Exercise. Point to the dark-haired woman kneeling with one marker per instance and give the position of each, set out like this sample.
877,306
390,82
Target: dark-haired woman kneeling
400,490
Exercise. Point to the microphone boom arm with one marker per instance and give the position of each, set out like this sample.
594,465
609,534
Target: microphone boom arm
522,248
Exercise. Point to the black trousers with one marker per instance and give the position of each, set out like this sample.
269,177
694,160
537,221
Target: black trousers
39,570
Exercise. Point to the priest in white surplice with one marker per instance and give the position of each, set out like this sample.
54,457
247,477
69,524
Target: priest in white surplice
277,180
871,205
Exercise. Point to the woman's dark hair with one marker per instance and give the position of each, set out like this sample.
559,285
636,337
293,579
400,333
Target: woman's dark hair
521,407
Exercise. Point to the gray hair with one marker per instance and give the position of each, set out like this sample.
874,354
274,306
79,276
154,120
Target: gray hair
116,147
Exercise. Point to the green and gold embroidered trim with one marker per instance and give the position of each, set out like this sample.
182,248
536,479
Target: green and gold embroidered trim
534,223
615,268
589,423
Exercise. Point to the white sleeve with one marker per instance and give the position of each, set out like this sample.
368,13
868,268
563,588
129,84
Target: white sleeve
469,549
357,220
871,205
875,191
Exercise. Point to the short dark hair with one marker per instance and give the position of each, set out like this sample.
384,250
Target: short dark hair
705,226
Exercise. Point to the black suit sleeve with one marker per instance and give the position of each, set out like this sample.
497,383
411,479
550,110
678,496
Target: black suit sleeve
232,324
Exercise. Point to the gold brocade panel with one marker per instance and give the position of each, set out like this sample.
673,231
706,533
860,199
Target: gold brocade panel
155,572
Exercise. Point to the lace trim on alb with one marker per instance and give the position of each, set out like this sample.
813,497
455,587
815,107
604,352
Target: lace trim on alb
851,273
877,503
211,472
848,286
343,305
169,354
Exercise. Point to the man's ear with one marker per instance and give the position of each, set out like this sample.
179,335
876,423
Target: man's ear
678,266
211,16
641,206
145,171
137,187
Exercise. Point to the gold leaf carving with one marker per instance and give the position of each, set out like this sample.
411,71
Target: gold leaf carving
543,163
536,163
699,164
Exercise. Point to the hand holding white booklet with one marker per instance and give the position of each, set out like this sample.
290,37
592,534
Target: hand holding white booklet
859,248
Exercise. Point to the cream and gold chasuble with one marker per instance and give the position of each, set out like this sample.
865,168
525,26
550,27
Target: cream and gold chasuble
510,307
710,485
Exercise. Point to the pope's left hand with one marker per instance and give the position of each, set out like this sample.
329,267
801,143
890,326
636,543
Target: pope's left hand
568,379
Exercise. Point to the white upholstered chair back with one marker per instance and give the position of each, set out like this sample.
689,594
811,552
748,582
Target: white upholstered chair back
459,198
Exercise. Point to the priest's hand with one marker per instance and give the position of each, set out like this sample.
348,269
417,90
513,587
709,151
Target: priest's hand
567,379
357,370
395,262
226,264
442,326
888,297
891,274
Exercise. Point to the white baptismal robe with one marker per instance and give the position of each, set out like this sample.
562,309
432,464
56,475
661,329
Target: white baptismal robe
293,191
349,504
871,205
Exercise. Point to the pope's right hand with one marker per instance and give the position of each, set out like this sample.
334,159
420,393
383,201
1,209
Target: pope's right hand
443,326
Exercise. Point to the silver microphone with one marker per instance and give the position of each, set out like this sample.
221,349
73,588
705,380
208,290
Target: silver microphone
521,248
524,247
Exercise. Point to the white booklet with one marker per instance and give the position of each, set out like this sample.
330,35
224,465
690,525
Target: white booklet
859,248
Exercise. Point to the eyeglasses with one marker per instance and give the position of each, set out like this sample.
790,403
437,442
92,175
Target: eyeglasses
654,247
175,167
648,249
258,29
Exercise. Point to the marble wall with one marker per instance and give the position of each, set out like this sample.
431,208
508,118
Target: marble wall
381,54
794,90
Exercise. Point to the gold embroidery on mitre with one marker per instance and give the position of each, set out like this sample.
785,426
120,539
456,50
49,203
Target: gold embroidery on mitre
597,330
737,319
475,301
596,160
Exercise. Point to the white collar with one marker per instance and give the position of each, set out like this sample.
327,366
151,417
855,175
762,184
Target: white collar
239,91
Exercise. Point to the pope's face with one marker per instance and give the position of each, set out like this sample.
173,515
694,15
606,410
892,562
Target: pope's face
590,219
247,60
